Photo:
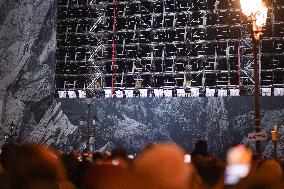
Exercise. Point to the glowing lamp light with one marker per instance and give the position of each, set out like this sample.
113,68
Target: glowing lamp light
187,158
261,16
256,9
250,7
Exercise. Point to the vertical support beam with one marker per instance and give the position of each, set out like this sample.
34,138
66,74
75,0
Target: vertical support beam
228,62
239,65
164,12
255,43
113,48
88,128
275,149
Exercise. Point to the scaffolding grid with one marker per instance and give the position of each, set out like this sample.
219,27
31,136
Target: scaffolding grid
108,48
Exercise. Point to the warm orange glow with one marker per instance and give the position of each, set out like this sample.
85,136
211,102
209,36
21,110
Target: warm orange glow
255,8
261,16
250,7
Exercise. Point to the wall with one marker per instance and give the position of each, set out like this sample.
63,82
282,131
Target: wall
134,123
27,57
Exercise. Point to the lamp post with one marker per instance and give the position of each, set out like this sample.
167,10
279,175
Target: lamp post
11,135
275,138
256,11
88,125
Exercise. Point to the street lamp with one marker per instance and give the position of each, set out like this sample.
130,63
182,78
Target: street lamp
275,138
256,11
11,135
88,130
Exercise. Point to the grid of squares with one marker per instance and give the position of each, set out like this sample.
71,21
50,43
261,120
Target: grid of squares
163,44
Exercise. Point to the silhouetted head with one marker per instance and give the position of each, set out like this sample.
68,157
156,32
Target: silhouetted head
118,153
162,166
270,168
106,155
28,165
201,148
97,156
210,170
259,182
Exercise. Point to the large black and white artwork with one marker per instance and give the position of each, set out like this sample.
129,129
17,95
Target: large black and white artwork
29,35
27,47
134,123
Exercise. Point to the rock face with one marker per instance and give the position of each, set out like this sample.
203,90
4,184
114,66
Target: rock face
134,123
27,51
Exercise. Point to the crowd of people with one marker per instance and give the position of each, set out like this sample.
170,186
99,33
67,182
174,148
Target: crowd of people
157,166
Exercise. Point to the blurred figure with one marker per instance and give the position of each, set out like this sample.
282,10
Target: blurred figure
87,155
118,153
156,167
106,155
98,158
162,166
85,165
195,181
211,172
108,170
71,164
119,156
281,163
1,169
238,164
259,182
31,166
270,169
201,149
256,159
239,155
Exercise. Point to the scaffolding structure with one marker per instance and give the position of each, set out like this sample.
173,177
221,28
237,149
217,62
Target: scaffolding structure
164,48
